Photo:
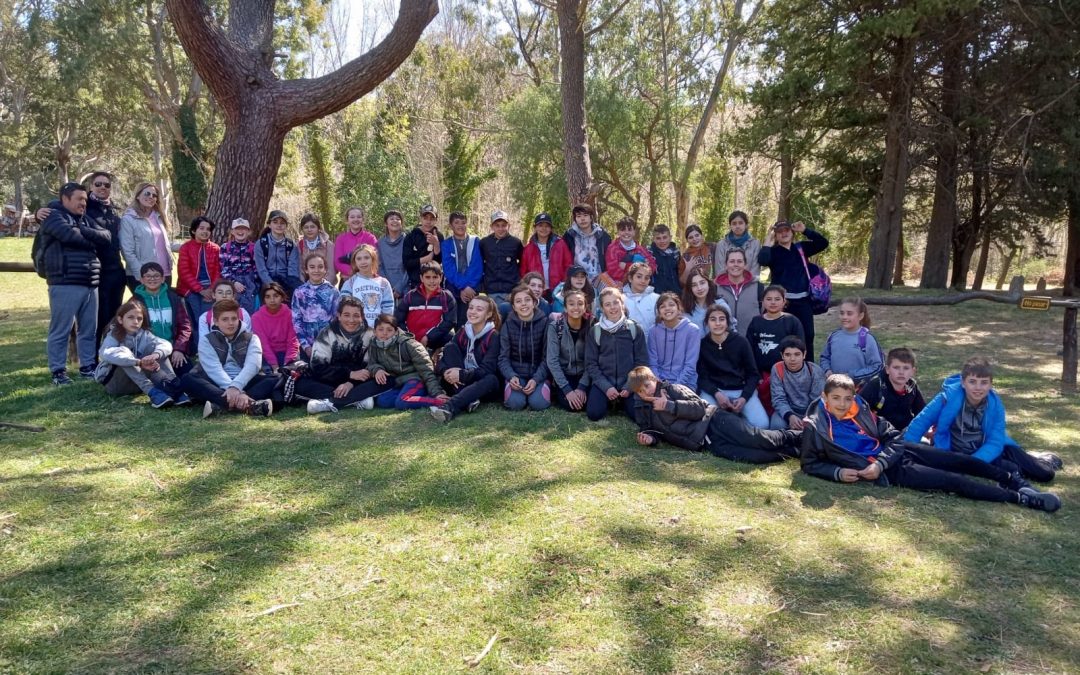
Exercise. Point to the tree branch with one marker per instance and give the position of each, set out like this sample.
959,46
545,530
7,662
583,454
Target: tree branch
217,58
610,17
305,100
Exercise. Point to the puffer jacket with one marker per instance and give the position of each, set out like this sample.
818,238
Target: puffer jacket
610,356
684,422
823,457
71,249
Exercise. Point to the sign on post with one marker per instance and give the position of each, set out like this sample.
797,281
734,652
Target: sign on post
1037,303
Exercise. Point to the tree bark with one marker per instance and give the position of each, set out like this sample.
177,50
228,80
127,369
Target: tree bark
1006,265
965,239
984,258
579,177
939,236
889,211
898,272
259,109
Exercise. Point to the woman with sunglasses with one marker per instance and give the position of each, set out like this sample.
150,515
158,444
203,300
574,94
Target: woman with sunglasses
144,235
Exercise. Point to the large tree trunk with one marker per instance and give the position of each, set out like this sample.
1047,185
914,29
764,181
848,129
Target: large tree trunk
579,178
1071,283
889,211
984,259
259,109
898,272
935,271
966,238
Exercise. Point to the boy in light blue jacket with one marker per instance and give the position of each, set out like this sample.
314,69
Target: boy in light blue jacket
969,417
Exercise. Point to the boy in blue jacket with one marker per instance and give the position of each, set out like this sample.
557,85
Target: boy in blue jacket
463,264
968,417
845,441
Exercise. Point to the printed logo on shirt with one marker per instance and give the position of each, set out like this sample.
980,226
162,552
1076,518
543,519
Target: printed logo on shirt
765,345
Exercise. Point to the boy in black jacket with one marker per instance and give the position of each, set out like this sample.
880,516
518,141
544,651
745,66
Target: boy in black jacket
894,394
674,413
501,252
846,442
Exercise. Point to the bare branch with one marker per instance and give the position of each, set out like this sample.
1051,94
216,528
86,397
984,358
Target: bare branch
610,17
216,57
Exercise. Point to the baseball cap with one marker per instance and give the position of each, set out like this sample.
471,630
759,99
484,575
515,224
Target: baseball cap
277,213
428,208
575,270
240,222
542,218
500,215
780,224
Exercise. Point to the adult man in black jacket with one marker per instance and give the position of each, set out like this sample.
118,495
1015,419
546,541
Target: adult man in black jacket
73,272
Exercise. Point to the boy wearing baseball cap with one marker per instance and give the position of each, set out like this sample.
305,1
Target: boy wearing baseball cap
502,258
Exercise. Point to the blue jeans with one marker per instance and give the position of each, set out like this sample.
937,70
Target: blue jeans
196,308
72,306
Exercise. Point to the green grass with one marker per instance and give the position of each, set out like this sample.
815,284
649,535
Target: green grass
149,541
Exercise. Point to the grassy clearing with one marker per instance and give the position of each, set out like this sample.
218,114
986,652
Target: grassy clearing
149,541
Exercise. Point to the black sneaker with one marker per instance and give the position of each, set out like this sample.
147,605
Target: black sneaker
1040,501
263,408
473,407
1050,458
60,378
1015,482
87,372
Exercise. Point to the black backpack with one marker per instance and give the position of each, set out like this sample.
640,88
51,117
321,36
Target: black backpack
41,244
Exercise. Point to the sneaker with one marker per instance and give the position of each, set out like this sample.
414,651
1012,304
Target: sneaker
1040,501
441,413
1015,482
368,403
1050,458
158,398
211,408
172,388
87,372
181,400
473,407
60,378
316,406
289,390
262,408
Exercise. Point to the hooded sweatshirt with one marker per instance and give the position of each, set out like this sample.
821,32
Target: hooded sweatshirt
641,307
521,348
476,354
128,351
391,264
673,352
565,353
277,334
167,315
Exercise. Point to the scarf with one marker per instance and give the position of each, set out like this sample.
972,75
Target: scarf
611,326
739,241
383,344
106,202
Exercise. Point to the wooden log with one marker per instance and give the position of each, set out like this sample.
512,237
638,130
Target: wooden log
16,267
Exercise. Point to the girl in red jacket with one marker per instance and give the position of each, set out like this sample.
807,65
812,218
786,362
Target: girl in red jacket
546,254
198,268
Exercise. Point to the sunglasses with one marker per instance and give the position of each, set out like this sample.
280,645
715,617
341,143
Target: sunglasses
104,185
147,193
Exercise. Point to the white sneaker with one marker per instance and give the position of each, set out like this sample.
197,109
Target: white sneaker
315,406
368,403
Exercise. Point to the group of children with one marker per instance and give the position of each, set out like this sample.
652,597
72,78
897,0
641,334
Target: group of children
704,363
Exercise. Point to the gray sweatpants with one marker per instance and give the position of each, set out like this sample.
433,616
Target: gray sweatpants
128,380
72,306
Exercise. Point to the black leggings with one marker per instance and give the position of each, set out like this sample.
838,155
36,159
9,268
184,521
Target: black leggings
730,437
925,468
310,388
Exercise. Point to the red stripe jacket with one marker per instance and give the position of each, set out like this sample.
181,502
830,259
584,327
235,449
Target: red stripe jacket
188,266
430,316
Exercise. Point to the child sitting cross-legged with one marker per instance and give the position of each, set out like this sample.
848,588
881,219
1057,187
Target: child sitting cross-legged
521,353
132,359
968,418
470,362
337,376
794,384
227,377
894,394
674,413
845,441
395,357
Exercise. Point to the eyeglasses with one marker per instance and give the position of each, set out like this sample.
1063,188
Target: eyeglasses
104,185
147,193
152,277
